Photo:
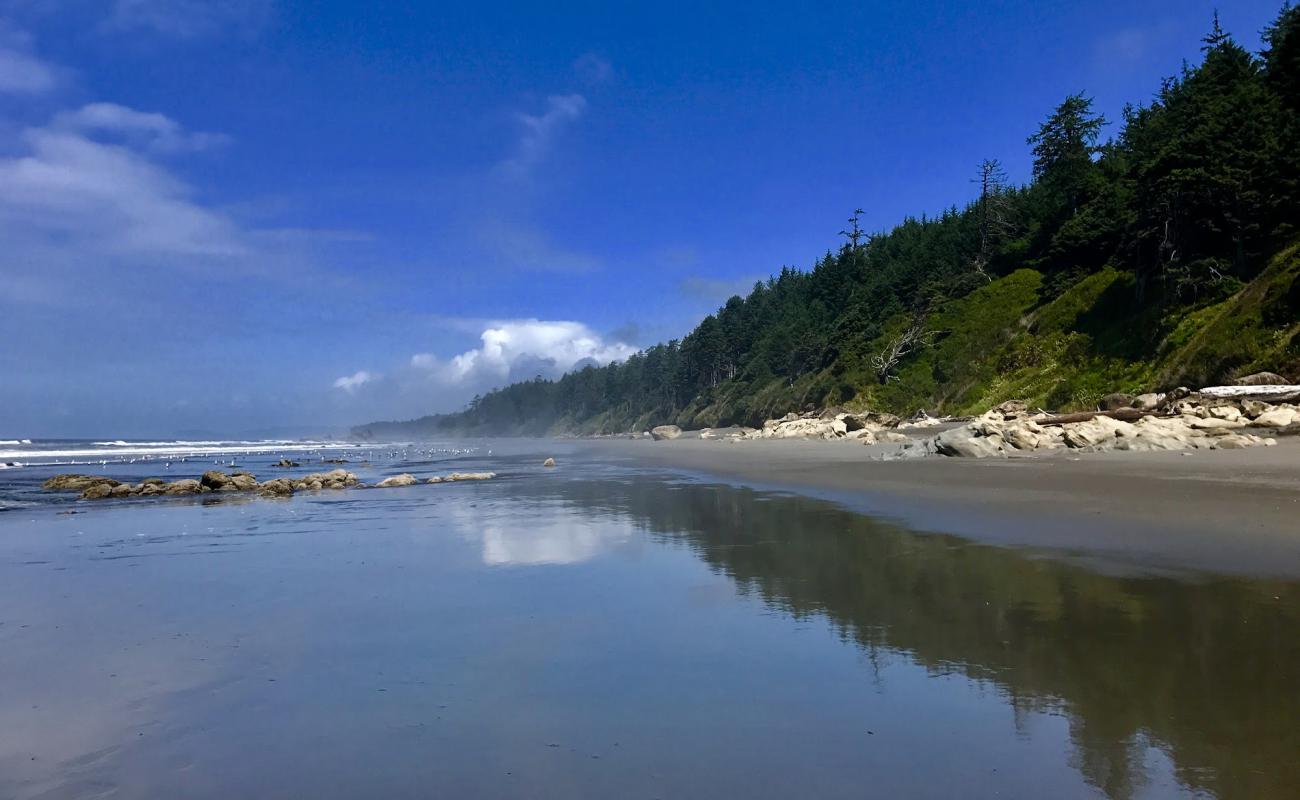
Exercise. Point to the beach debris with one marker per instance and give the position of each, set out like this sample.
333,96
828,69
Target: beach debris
550,462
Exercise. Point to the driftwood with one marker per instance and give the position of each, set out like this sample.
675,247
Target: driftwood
1122,414
1267,394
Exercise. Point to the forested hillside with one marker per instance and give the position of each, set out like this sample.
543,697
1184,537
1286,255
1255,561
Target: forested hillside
1163,254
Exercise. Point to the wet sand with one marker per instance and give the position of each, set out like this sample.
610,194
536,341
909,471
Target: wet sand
1235,511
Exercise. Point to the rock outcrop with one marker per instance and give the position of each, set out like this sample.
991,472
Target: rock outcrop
405,479
663,432
1192,422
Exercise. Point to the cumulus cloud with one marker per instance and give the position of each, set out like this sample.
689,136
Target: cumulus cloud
20,71
350,383
539,130
521,349
151,130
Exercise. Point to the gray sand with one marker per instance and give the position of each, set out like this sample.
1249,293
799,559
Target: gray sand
1224,511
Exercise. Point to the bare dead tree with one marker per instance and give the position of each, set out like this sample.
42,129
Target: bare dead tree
993,212
855,234
901,346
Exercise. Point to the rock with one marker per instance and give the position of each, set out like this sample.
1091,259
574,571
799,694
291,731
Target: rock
1279,417
708,433
470,476
286,463
1238,441
405,479
1115,401
1230,413
76,483
894,437
97,491
120,490
183,486
864,435
1261,379
242,482
1213,424
1096,432
1148,400
1011,408
1027,435
550,462
435,479
1253,408
662,432
277,487
214,480
965,443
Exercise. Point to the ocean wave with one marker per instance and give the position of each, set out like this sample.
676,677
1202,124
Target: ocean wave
15,441
115,451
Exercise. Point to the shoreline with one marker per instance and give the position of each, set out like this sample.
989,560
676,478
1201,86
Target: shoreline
1221,511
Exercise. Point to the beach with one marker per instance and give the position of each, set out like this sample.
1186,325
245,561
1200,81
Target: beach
1230,510
685,619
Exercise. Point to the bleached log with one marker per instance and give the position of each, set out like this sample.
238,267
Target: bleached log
1270,394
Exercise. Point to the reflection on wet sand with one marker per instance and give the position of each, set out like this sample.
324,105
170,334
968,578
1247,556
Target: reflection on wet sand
1203,668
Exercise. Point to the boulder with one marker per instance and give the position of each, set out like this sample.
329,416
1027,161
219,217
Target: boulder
76,483
1011,408
1279,417
1261,379
1238,441
894,437
242,482
214,480
405,479
276,487
470,476
550,462
1096,432
966,443
97,491
1230,413
183,486
1213,424
662,432
1115,401
285,463
120,490
1148,400
1253,408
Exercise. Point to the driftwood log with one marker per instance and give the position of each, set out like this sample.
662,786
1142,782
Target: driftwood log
1267,394
1122,414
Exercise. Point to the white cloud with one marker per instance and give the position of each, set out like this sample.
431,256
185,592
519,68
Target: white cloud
540,129
67,191
520,349
155,131
20,71
350,383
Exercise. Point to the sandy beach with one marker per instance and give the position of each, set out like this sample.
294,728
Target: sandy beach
1222,511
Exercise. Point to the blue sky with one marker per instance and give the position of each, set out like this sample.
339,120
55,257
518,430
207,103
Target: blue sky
254,214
